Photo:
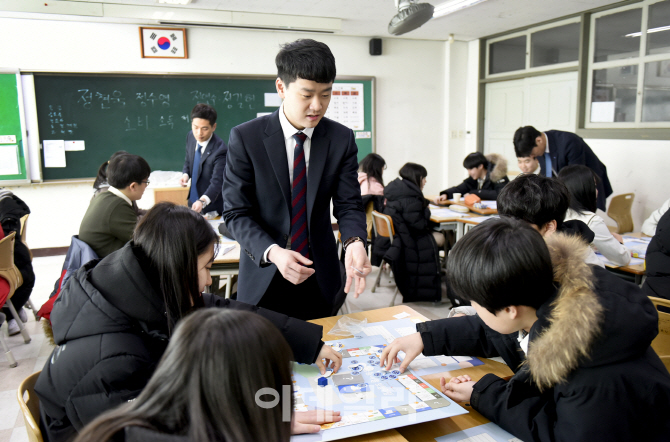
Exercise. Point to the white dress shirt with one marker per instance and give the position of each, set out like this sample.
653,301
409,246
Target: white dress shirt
120,194
649,225
289,130
604,242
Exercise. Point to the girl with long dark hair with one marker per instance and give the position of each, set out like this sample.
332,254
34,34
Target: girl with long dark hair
581,182
207,385
114,318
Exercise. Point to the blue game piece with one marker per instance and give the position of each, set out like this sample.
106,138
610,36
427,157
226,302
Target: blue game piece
392,376
353,362
396,372
378,374
385,377
322,382
372,357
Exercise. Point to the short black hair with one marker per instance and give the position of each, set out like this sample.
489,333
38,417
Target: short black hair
123,170
581,183
524,140
500,263
535,199
307,59
474,160
373,165
413,172
204,111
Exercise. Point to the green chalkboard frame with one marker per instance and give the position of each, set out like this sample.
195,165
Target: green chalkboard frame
84,165
12,123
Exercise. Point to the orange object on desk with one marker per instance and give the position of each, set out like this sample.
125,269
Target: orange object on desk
471,199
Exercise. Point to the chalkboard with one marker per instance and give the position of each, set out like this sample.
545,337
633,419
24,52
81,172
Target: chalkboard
148,115
11,131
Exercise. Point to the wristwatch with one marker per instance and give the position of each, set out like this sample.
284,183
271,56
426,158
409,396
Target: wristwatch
204,203
351,240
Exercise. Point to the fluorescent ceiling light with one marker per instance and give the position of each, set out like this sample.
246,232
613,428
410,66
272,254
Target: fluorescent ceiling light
174,2
452,6
649,31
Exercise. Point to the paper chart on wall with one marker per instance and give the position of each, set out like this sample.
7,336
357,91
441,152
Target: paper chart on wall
347,105
54,153
10,160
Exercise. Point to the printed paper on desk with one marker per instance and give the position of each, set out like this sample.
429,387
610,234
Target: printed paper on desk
54,153
225,249
10,160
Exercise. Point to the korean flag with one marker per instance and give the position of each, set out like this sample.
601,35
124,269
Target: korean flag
163,43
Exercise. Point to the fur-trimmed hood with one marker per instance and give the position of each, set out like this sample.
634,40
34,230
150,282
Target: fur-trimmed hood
499,169
595,318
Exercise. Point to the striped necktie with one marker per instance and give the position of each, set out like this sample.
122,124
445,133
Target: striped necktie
193,195
299,238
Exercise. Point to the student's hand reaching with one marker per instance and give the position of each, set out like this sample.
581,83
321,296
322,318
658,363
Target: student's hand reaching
412,345
310,421
458,388
291,264
357,266
332,359
440,199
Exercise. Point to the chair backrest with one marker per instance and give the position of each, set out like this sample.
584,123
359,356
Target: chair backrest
30,407
620,210
176,195
661,344
7,268
383,225
369,208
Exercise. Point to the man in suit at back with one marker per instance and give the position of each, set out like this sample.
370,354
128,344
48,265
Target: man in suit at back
282,172
205,161
556,149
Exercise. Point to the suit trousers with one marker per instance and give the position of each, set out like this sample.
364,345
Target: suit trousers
302,301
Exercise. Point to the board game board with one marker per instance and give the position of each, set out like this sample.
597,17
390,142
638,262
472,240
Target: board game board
369,398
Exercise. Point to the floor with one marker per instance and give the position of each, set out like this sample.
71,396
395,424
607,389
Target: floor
32,357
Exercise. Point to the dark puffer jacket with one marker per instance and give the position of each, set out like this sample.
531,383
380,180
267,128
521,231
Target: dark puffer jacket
111,330
658,261
413,255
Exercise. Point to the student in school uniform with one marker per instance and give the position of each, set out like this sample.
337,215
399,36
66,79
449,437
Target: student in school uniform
581,183
576,336
370,171
188,399
529,165
649,224
102,185
543,202
282,172
205,163
657,261
487,177
114,319
110,218
414,253
556,149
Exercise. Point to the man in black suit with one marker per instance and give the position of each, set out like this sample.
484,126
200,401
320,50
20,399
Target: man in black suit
205,161
563,149
282,172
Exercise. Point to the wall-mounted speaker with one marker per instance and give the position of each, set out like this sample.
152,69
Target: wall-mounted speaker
375,46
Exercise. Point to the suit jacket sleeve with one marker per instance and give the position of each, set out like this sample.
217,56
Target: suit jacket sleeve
218,173
575,152
303,337
187,164
239,196
347,203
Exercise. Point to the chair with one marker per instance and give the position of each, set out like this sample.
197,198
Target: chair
661,344
383,226
176,195
620,211
30,407
11,273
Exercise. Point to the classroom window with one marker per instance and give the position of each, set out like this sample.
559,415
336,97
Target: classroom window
629,69
554,45
507,55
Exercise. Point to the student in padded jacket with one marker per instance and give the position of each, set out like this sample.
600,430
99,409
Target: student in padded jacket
413,255
487,175
577,337
657,260
113,319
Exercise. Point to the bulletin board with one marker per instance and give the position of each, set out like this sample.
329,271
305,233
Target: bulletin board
14,164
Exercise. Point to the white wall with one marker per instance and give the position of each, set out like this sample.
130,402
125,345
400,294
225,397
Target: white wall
409,91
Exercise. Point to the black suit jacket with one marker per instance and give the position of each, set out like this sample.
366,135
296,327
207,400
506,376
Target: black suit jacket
211,172
566,148
257,197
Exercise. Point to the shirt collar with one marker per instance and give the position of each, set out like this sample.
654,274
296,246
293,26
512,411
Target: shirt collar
120,194
288,129
204,143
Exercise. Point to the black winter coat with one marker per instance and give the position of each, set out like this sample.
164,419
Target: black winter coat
110,327
496,179
658,261
413,255
12,209
620,392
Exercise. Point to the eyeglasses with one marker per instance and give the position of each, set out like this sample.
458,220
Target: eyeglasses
145,182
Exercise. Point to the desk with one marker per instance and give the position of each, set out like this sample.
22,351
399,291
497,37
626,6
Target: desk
631,271
460,224
227,265
471,207
426,431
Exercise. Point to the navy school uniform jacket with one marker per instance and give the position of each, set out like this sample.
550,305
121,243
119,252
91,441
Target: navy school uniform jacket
590,373
110,327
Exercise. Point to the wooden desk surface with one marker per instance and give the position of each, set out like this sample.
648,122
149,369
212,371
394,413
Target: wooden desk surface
637,269
471,207
426,431
231,257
